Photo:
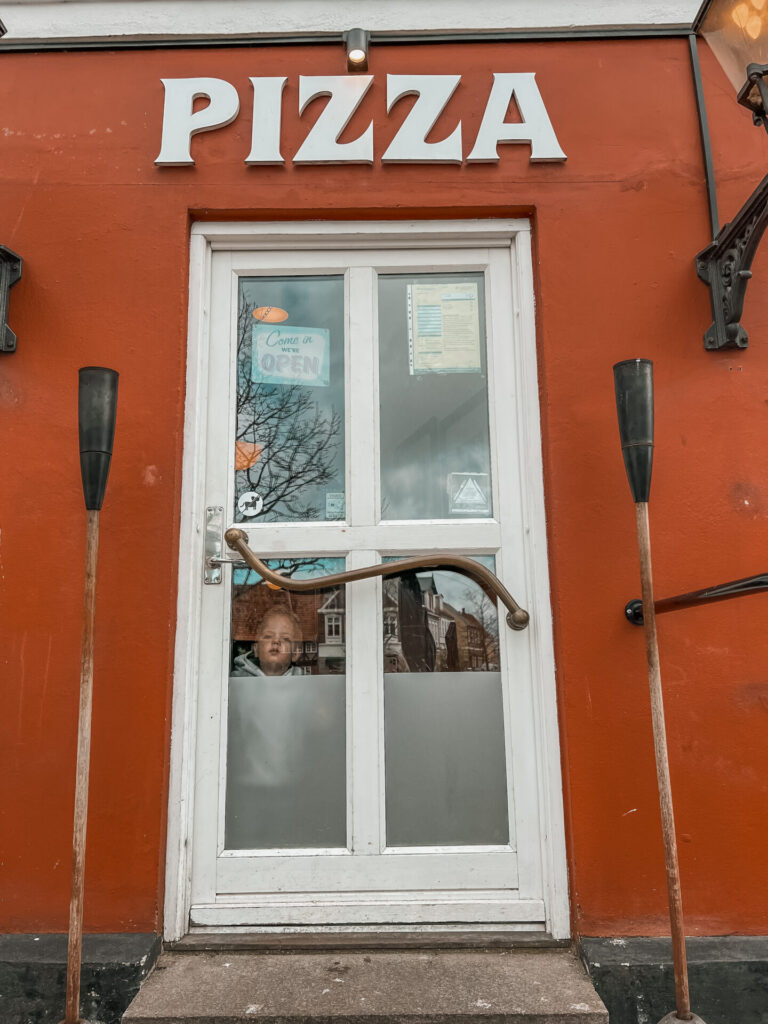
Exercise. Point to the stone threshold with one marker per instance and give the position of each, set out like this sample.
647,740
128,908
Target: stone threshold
494,986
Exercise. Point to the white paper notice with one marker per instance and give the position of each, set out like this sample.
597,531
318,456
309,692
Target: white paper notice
444,327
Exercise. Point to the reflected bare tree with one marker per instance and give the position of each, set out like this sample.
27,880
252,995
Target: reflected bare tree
486,614
288,567
299,438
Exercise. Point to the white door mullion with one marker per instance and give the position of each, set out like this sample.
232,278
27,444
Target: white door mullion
516,648
364,682
361,436
363,597
214,599
284,539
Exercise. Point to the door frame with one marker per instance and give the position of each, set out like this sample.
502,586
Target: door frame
204,239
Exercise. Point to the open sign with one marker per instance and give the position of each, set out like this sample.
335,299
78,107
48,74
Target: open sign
283,354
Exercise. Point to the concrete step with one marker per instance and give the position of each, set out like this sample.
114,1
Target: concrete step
408,987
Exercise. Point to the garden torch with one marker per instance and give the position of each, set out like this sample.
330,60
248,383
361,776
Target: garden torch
633,381
97,408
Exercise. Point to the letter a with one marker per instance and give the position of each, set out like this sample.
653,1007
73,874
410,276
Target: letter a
535,127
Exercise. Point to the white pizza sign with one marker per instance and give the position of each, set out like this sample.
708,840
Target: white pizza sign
345,93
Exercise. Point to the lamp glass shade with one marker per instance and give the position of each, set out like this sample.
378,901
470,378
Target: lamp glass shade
737,33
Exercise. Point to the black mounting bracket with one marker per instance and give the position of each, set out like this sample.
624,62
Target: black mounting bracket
720,592
10,273
725,266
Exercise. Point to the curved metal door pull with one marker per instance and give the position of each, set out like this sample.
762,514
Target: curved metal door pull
517,617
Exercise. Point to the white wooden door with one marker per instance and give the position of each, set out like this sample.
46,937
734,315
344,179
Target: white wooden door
369,754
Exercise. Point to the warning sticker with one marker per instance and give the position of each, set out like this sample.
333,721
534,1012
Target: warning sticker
469,494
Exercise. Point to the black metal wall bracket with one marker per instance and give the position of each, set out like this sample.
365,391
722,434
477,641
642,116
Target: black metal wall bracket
725,266
10,273
721,592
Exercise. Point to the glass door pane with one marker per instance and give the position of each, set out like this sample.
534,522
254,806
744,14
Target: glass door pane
435,449
445,765
289,441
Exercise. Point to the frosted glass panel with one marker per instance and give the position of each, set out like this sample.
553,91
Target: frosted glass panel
286,762
435,448
286,739
445,771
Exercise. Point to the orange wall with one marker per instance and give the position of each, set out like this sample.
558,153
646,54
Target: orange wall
104,236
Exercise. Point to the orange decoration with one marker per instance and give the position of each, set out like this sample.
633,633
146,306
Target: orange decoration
270,314
246,454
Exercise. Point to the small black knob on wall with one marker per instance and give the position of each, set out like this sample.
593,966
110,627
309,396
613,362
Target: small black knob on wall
97,410
633,380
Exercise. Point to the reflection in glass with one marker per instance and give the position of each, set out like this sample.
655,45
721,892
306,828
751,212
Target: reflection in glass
445,765
289,446
286,741
438,620
435,447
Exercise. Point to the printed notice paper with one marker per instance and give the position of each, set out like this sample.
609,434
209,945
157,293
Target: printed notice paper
291,355
444,327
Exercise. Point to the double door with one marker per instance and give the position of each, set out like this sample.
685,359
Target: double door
367,754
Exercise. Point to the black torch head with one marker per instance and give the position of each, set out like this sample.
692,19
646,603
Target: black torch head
633,379
97,409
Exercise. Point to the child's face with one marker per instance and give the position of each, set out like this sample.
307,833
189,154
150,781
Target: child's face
274,647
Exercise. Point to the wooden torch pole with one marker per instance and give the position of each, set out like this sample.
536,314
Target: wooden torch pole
633,381
75,940
674,892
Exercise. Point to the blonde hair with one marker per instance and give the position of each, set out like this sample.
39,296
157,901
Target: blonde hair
284,610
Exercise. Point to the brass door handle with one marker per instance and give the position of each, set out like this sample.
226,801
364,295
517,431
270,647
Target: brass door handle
517,617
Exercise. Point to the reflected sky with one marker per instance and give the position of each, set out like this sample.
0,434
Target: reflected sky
306,568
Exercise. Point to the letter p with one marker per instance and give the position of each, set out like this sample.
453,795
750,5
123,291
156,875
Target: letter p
179,121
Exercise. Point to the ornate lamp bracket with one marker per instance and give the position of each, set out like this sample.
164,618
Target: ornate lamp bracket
725,266
10,273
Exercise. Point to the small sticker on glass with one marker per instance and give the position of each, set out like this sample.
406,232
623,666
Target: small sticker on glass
469,494
334,505
250,504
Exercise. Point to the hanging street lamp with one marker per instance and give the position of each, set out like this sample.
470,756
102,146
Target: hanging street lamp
737,33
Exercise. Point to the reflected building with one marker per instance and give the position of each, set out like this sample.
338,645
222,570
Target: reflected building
425,633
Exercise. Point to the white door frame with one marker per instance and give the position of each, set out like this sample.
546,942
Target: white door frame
533,589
